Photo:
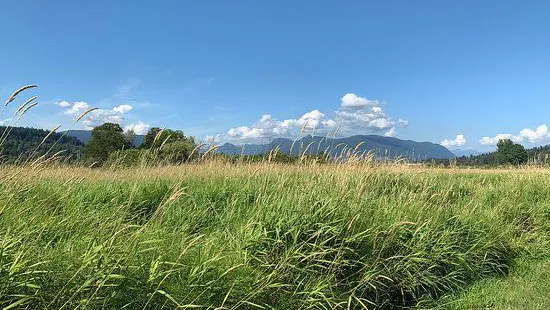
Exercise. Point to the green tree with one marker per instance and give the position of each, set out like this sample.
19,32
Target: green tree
106,139
150,137
509,152
129,138
165,136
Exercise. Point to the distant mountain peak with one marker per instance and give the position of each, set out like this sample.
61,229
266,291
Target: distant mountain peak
381,145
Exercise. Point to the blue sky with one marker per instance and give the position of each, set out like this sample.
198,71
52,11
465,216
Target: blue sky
251,70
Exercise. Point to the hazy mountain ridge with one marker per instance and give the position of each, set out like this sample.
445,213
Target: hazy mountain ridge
466,152
382,146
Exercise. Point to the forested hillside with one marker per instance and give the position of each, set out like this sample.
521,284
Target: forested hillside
21,143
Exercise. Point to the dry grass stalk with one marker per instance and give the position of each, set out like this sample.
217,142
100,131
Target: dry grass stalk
21,107
84,114
26,109
17,92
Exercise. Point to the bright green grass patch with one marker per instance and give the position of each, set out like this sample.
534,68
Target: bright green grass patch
262,237
527,287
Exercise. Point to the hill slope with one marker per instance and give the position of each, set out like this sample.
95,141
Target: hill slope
382,146
21,142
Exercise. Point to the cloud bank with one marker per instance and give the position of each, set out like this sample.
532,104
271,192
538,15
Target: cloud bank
356,115
97,117
140,128
458,141
539,135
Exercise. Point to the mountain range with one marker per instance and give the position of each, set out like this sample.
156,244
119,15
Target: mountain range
386,147
466,152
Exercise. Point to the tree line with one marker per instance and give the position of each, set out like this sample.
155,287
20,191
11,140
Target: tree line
19,144
507,153
111,146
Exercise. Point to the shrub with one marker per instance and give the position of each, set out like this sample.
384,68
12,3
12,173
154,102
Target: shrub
124,158
177,152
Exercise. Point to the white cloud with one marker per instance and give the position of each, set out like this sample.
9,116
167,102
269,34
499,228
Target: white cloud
371,119
351,100
494,140
533,136
313,120
95,117
402,122
356,115
75,108
390,133
269,127
140,128
459,140
539,135
63,104
123,108
100,116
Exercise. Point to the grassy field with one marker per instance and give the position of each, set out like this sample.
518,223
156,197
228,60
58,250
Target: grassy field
220,236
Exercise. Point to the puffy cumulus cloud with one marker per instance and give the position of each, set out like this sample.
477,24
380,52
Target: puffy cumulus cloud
95,117
352,101
540,134
494,140
63,104
356,115
390,133
459,140
139,128
526,135
75,108
100,116
372,119
123,108
269,127
314,120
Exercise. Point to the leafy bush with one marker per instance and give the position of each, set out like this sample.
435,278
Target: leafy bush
171,153
156,137
177,152
125,158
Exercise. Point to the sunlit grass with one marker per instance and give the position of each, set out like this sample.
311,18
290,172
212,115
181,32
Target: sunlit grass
226,236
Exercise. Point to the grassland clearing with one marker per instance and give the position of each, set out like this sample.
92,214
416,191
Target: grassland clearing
225,236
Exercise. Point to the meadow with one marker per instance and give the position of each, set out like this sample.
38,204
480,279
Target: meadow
216,235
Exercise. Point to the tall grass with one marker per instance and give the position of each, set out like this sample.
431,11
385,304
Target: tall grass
221,236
